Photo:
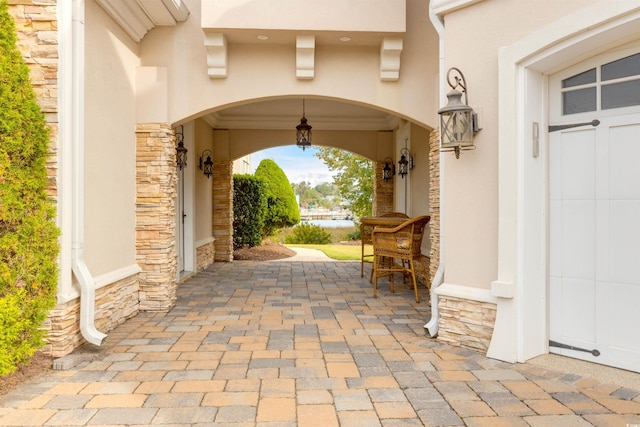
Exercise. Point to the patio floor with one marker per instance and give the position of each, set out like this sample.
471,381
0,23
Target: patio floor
303,344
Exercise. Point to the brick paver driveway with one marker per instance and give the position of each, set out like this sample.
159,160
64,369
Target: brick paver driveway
303,344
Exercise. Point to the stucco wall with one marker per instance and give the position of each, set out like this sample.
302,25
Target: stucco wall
473,37
260,71
203,194
110,144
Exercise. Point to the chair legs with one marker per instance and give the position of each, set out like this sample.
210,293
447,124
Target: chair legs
406,269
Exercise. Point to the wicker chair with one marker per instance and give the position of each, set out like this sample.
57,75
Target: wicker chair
365,236
399,243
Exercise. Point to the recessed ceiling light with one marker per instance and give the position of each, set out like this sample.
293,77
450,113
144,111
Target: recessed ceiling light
263,37
345,39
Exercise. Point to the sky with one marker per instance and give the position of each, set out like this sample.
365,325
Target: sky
298,165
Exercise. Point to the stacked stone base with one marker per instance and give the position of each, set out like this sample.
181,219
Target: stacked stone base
466,323
114,304
205,255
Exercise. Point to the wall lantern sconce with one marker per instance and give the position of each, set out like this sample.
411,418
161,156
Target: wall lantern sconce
303,132
404,165
207,165
181,152
389,169
458,121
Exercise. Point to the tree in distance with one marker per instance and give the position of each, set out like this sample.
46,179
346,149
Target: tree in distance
354,178
282,208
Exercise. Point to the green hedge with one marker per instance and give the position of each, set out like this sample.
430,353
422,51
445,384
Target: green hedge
28,235
249,209
282,207
306,233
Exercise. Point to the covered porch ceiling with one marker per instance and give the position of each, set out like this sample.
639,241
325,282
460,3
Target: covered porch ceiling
285,114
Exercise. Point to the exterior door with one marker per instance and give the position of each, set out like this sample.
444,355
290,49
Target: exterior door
594,211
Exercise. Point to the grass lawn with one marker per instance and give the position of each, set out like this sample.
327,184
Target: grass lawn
339,252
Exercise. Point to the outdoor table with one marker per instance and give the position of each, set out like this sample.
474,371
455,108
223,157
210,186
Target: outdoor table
367,224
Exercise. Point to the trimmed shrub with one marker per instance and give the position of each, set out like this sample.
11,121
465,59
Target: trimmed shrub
282,208
28,235
308,234
249,209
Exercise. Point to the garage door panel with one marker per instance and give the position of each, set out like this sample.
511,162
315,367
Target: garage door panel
624,312
555,244
578,239
577,308
625,242
624,154
578,161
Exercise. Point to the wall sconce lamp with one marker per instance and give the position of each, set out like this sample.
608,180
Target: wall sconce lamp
303,132
458,121
389,169
404,165
181,152
207,165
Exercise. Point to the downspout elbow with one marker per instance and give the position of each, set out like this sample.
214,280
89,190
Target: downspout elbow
87,301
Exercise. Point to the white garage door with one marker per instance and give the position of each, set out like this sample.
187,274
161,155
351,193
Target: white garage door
594,209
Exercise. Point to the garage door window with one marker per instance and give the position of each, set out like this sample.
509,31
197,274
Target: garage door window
612,85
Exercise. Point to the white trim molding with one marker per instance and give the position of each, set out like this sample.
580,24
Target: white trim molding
206,241
442,7
466,292
137,17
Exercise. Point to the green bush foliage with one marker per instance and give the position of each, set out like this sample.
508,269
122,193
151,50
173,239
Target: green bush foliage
308,234
28,235
249,209
282,208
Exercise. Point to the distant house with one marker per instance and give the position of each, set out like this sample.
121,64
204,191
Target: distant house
534,234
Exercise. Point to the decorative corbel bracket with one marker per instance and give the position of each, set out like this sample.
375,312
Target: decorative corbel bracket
390,50
216,44
305,57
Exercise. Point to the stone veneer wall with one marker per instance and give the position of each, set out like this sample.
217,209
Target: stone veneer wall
205,254
434,201
466,323
222,227
382,191
156,191
115,304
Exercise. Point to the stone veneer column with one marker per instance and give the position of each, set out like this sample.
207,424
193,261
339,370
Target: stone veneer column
434,201
222,227
156,191
382,191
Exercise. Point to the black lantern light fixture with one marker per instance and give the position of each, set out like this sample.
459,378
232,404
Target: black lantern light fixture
458,121
389,169
303,132
207,165
404,165
181,152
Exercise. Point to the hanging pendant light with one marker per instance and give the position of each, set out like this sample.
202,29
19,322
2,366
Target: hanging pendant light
303,132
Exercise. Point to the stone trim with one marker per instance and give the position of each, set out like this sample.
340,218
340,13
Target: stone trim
205,255
466,323
222,226
382,191
114,304
156,192
434,201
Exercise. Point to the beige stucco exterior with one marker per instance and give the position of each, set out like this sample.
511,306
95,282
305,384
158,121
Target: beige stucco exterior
139,81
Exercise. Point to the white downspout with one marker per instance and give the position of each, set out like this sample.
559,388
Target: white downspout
432,325
75,78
